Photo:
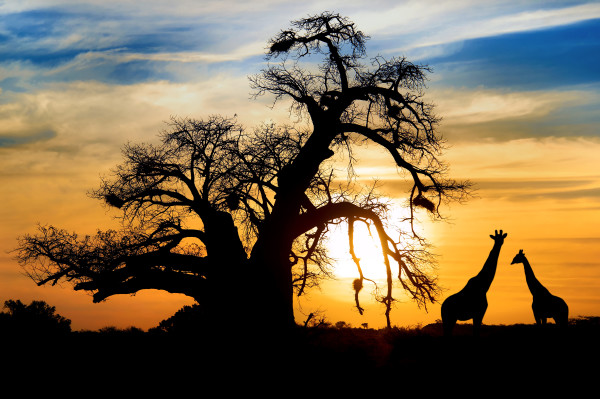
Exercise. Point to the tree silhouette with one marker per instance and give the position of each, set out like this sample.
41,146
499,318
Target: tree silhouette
237,219
187,320
36,318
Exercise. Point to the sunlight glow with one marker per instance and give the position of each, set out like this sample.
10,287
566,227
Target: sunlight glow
366,246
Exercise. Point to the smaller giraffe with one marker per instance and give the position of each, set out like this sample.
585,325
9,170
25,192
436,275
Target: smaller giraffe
471,301
544,305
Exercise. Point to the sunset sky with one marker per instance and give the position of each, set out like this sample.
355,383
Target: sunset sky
517,84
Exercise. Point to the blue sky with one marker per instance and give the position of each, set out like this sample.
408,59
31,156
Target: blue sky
517,84
548,58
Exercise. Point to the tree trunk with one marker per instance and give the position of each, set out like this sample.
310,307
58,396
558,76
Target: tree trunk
272,288
226,293
270,258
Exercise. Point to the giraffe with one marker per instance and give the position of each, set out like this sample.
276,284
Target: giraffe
471,301
544,304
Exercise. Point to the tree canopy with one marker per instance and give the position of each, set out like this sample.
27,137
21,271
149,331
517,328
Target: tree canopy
236,218
36,318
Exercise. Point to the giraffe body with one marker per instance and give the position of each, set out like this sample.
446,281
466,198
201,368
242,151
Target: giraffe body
544,305
471,302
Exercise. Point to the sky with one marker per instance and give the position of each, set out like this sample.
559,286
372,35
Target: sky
516,83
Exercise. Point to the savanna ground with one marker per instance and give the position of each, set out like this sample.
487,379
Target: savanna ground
509,358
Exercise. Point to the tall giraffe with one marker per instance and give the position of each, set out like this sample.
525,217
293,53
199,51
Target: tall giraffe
544,305
471,301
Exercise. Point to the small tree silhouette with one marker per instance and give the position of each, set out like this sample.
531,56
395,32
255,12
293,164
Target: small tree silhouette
187,320
341,324
36,318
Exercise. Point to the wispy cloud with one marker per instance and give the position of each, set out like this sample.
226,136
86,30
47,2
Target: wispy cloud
123,55
107,44
549,158
503,115
90,121
433,24
13,140
515,22
542,189
464,107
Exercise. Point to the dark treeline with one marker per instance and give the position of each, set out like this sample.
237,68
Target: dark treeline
182,344
181,354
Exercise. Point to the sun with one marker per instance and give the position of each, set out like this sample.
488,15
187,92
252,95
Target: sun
366,246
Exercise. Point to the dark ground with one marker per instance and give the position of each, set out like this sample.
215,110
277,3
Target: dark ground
510,359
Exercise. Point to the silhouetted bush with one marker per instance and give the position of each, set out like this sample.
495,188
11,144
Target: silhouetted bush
341,324
129,331
187,320
586,321
37,318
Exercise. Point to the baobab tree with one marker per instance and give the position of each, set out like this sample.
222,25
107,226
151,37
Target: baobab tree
237,219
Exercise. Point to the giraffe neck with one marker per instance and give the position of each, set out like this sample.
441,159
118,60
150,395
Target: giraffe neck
487,273
535,287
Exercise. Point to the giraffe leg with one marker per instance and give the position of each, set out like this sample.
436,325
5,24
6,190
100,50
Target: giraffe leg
448,311
448,326
562,313
477,325
561,319
538,320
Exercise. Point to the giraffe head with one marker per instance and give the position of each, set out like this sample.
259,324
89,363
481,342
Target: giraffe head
519,258
498,237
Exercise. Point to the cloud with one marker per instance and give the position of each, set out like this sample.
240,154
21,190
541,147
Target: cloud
463,107
556,168
112,58
548,161
544,189
572,240
420,25
533,184
62,44
13,140
516,22
501,115
228,9
510,189
562,195
90,121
